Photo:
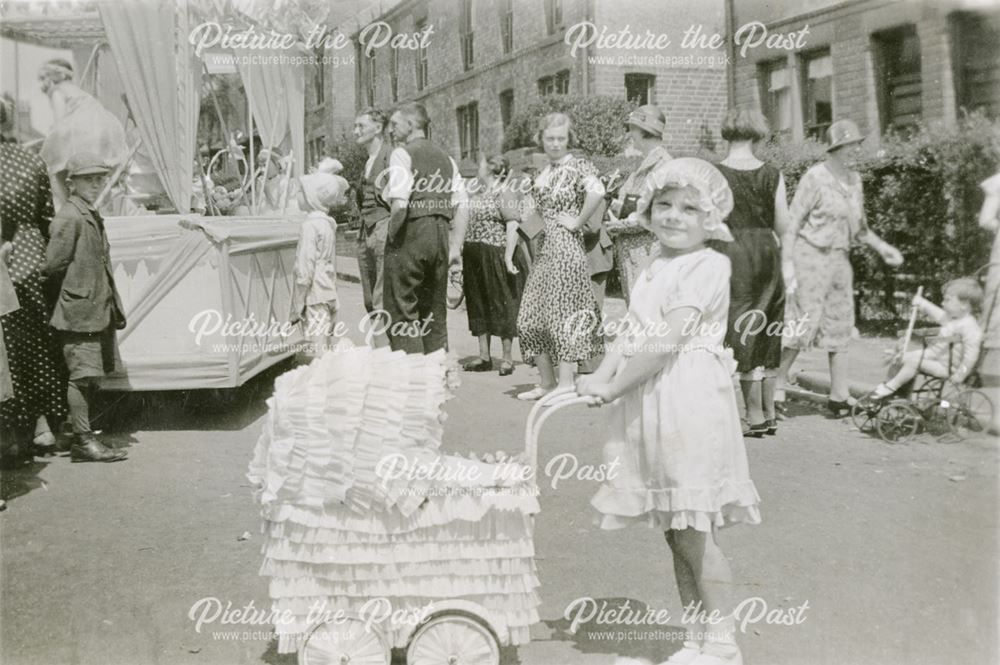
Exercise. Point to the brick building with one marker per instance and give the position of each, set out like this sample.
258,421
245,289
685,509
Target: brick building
886,64
482,60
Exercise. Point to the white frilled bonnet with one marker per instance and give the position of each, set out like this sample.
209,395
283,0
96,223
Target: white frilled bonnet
322,190
714,194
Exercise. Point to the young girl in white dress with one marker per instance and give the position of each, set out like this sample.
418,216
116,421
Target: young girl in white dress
674,424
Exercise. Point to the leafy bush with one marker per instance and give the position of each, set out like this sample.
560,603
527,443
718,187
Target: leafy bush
353,157
598,122
921,195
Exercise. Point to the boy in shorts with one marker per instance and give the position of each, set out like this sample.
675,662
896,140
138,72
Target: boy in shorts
88,310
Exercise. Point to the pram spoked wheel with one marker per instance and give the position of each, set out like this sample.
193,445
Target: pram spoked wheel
864,414
969,412
345,642
897,421
453,638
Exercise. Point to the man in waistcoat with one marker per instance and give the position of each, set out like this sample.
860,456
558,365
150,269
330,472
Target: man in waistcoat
369,131
424,188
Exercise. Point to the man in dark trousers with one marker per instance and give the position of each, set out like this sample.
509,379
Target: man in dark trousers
88,310
369,131
424,188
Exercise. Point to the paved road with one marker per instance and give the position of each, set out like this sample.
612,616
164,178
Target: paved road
894,547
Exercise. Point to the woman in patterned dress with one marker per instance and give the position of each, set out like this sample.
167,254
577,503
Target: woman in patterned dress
559,321
36,367
494,269
827,216
633,244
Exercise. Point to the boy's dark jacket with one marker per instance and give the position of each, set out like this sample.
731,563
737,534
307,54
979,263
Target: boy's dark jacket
78,267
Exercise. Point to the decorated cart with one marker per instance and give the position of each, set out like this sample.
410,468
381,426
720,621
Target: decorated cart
206,296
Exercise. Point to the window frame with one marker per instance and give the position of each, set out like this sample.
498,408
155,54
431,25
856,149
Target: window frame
506,108
507,26
553,16
650,86
888,81
811,127
467,117
421,76
370,78
769,110
466,34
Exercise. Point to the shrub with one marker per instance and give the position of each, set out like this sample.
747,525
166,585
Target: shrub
921,195
353,157
598,122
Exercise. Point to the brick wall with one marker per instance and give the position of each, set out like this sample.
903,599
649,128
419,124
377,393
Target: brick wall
689,95
847,29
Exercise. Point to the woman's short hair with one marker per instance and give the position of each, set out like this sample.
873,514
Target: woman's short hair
967,290
551,120
378,116
56,70
744,125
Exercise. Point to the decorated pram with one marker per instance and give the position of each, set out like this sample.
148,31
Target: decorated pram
373,538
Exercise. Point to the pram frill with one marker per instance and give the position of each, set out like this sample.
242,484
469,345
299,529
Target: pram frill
337,534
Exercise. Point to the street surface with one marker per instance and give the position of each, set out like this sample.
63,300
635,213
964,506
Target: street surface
893,547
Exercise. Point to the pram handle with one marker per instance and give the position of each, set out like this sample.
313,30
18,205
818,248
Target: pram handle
552,402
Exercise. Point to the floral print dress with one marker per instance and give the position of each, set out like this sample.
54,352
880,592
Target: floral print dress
559,314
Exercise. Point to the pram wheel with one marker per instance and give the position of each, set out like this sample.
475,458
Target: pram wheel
345,642
897,421
864,414
453,638
969,412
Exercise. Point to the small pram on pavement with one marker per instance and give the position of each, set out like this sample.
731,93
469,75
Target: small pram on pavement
930,404
436,559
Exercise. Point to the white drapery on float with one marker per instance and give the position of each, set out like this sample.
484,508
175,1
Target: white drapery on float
171,269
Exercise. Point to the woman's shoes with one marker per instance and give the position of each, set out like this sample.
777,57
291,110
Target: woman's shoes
479,365
534,394
772,426
838,409
756,431
506,367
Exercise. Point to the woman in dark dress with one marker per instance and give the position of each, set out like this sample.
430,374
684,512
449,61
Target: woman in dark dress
36,365
757,294
494,268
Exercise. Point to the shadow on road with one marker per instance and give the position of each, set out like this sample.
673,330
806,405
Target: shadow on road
230,409
20,480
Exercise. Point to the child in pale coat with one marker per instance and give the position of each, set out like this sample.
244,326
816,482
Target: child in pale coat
314,298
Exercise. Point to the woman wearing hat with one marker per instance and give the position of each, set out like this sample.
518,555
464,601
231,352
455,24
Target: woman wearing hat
827,216
633,243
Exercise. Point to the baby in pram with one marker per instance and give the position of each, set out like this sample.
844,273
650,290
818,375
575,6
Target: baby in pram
942,358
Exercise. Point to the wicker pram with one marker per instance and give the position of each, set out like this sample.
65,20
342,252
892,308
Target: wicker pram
362,557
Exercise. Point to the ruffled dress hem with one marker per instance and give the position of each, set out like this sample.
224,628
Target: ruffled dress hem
678,508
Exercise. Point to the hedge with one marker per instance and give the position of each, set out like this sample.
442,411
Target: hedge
921,195
598,122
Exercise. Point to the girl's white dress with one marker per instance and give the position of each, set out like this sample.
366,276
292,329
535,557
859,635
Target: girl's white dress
677,438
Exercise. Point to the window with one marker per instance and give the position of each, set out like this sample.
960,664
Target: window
976,60
554,85
817,93
370,80
468,130
776,96
465,33
639,88
421,60
506,107
315,150
507,25
553,15
319,78
394,73
898,66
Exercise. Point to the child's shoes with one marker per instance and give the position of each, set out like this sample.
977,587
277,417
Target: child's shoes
719,654
686,655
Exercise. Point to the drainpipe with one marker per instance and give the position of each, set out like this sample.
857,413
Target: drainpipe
586,51
730,52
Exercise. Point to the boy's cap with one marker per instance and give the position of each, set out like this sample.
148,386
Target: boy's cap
85,163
